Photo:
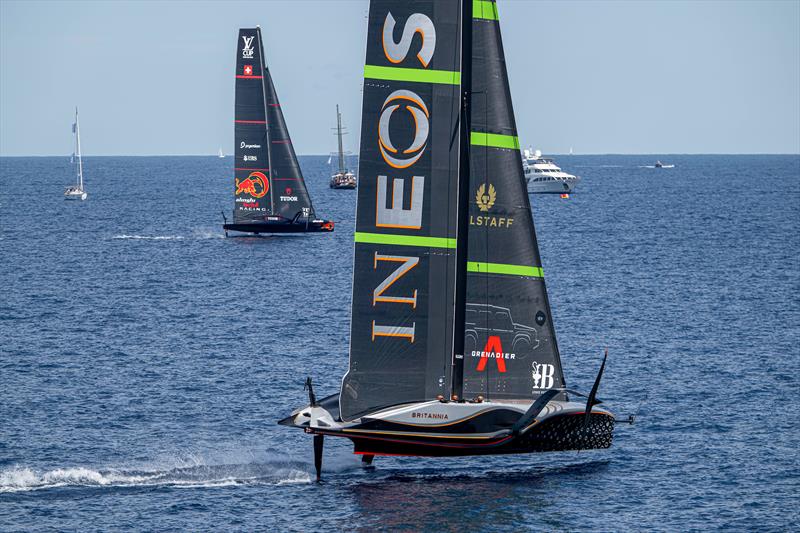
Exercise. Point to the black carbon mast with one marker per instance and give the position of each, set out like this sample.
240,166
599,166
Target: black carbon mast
462,231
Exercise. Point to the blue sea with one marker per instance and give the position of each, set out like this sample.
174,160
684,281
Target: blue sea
145,358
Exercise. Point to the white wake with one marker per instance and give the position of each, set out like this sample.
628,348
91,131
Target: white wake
199,474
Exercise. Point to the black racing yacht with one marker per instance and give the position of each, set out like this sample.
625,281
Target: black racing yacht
269,190
452,346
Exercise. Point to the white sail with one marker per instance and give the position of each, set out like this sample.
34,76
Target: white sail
77,192
78,143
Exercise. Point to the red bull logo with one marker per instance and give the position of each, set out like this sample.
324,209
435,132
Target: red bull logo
256,185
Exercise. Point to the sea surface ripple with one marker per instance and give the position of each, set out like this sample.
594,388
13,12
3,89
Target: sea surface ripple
144,358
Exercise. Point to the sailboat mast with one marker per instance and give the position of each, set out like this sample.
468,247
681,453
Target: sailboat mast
267,121
462,217
339,133
78,145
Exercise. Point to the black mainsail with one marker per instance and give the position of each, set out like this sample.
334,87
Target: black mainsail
510,342
253,190
452,345
269,190
401,335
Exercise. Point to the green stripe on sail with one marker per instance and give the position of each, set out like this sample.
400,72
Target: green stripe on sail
494,140
481,9
500,268
446,77
405,240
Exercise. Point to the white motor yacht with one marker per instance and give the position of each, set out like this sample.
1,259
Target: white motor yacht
544,176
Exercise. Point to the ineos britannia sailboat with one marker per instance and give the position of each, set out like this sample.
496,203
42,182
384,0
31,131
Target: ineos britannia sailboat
343,179
452,344
269,190
76,192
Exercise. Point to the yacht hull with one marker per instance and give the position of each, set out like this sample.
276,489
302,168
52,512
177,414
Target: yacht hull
267,227
436,429
552,187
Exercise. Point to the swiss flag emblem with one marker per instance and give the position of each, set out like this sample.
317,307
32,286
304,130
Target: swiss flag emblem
248,70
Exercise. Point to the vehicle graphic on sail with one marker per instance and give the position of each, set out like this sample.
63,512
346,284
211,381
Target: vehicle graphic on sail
484,320
437,126
270,195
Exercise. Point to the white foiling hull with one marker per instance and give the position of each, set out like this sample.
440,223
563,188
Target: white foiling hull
436,428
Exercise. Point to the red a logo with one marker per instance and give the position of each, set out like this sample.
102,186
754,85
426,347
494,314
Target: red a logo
493,348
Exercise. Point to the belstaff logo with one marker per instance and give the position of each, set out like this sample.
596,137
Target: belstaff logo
247,51
256,185
542,375
419,112
485,200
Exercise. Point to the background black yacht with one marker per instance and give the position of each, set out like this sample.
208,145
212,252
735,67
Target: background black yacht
269,190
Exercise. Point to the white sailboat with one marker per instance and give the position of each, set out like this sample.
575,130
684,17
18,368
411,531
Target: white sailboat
343,178
221,155
76,192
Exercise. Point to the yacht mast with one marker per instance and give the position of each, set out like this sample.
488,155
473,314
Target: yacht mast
462,217
339,134
78,146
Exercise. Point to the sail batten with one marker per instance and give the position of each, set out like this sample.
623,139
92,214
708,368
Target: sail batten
495,140
417,75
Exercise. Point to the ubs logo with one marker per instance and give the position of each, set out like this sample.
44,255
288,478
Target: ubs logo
247,51
420,115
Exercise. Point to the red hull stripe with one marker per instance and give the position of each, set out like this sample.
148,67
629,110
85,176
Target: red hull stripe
421,443
248,77
250,121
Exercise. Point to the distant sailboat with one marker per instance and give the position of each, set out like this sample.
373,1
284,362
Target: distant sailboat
270,194
221,155
76,192
452,345
343,179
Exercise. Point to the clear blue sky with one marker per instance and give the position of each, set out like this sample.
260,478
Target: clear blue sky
602,77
